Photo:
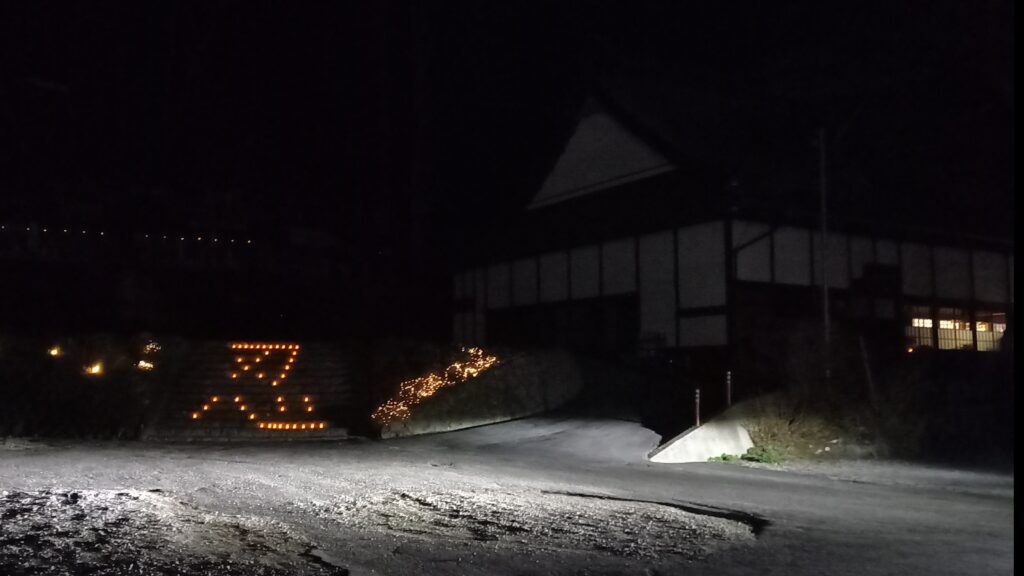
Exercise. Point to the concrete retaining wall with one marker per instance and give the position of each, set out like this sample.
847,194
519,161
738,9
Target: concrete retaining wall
721,435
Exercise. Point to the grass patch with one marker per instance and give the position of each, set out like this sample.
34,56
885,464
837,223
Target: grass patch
759,454
763,455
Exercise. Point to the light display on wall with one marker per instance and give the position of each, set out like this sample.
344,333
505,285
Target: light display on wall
251,401
412,392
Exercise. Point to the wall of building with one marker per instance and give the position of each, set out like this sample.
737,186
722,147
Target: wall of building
679,279
947,289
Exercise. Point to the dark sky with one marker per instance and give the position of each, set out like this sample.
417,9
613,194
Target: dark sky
387,122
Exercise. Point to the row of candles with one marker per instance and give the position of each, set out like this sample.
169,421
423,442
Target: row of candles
256,356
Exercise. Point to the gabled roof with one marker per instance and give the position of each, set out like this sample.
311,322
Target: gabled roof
602,153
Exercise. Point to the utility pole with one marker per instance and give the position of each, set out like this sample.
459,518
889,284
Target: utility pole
826,320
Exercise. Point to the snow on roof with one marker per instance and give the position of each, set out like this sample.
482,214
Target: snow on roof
602,153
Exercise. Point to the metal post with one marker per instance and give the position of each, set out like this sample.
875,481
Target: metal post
696,404
728,387
824,253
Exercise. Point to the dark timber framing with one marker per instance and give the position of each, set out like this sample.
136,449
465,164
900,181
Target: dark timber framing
730,294
675,282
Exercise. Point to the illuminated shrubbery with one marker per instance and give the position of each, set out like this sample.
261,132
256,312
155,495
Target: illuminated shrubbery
472,363
86,386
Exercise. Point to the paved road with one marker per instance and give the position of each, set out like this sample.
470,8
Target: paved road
553,496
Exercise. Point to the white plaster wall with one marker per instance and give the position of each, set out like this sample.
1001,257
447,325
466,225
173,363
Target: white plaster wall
838,265
702,265
917,269
657,289
862,253
618,266
524,282
584,266
952,273
887,252
753,263
792,256
554,277
498,285
990,277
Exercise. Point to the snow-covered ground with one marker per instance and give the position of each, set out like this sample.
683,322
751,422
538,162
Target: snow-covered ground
554,495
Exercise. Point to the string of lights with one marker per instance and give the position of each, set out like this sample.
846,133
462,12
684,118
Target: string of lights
412,392
80,231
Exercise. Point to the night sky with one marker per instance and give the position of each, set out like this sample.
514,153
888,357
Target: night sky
403,127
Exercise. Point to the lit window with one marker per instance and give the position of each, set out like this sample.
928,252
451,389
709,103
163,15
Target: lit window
955,330
919,330
989,327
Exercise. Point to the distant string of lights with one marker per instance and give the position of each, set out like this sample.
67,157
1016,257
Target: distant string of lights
251,367
179,238
412,392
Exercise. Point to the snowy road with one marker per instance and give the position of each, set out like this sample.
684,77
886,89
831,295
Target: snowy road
537,496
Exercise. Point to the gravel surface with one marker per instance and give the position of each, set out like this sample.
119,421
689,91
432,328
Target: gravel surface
536,496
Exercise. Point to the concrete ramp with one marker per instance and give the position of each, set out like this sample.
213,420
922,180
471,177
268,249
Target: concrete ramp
722,435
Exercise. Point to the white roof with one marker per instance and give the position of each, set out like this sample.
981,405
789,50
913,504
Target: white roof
602,153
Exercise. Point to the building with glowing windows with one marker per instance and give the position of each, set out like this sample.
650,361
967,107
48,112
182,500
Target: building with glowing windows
624,250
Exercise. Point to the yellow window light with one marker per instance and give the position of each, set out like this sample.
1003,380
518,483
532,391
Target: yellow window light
55,351
145,365
94,369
